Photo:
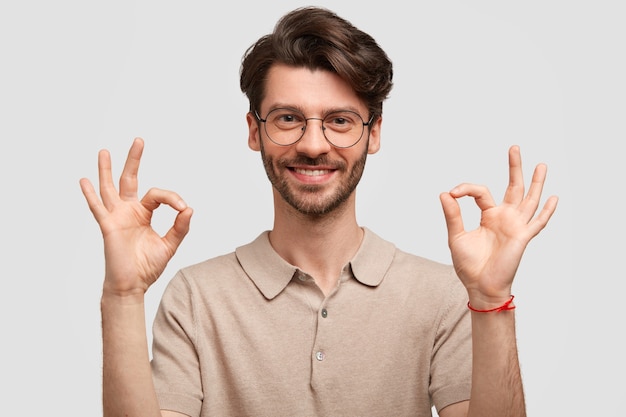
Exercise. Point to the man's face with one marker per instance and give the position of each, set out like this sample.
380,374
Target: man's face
312,176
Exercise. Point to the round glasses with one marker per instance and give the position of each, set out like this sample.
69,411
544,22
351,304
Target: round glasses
342,129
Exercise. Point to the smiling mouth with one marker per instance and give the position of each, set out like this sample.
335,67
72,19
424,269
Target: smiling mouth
312,172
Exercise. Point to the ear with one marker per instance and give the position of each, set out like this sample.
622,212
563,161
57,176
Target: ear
254,137
374,139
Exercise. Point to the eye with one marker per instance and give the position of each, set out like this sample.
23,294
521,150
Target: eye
341,121
285,118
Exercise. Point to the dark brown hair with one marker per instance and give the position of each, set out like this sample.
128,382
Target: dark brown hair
316,38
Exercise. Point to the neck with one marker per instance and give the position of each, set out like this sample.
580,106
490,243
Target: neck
319,245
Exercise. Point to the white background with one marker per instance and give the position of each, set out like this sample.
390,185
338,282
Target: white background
471,79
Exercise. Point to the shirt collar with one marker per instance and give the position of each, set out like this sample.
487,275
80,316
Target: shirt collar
373,259
271,273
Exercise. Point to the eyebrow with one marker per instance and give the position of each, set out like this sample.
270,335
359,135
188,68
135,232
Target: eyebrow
325,111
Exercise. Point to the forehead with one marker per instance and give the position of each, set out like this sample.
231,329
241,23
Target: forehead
312,91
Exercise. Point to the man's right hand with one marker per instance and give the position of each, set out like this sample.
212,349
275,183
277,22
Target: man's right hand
135,254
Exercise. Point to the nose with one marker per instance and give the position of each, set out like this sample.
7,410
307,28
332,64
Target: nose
313,143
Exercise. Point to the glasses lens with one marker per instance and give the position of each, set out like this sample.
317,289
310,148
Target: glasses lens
343,128
285,126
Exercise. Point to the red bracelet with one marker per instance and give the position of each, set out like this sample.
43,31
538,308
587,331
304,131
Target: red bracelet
506,306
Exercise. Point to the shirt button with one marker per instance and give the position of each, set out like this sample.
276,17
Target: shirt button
324,313
319,355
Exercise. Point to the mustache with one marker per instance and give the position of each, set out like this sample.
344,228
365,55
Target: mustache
305,160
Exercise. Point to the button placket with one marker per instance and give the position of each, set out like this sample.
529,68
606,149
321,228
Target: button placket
320,354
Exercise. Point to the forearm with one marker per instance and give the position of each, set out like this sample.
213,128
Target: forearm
128,389
496,380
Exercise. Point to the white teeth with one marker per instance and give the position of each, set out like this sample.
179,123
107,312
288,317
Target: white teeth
312,172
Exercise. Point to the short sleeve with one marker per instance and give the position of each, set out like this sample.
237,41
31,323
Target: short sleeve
451,363
175,365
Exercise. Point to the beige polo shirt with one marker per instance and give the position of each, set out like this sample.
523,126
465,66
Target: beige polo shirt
247,334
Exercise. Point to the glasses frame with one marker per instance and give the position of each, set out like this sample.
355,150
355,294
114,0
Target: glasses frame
306,119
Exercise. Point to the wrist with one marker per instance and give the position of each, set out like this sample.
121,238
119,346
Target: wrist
491,308
488,298
132,297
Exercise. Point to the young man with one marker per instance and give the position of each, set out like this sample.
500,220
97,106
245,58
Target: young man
318,316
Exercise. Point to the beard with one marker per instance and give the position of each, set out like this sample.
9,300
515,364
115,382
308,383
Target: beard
312,200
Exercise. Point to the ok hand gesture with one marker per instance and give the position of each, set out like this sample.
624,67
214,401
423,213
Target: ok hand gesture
487,258
135,255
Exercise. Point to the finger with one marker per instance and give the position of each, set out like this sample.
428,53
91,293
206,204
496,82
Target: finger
515,189
452,214
128,179
93,201
532,200
156,196
541,220
179,230
105,178
479,193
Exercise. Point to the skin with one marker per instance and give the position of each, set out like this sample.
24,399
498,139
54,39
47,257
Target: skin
321,207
